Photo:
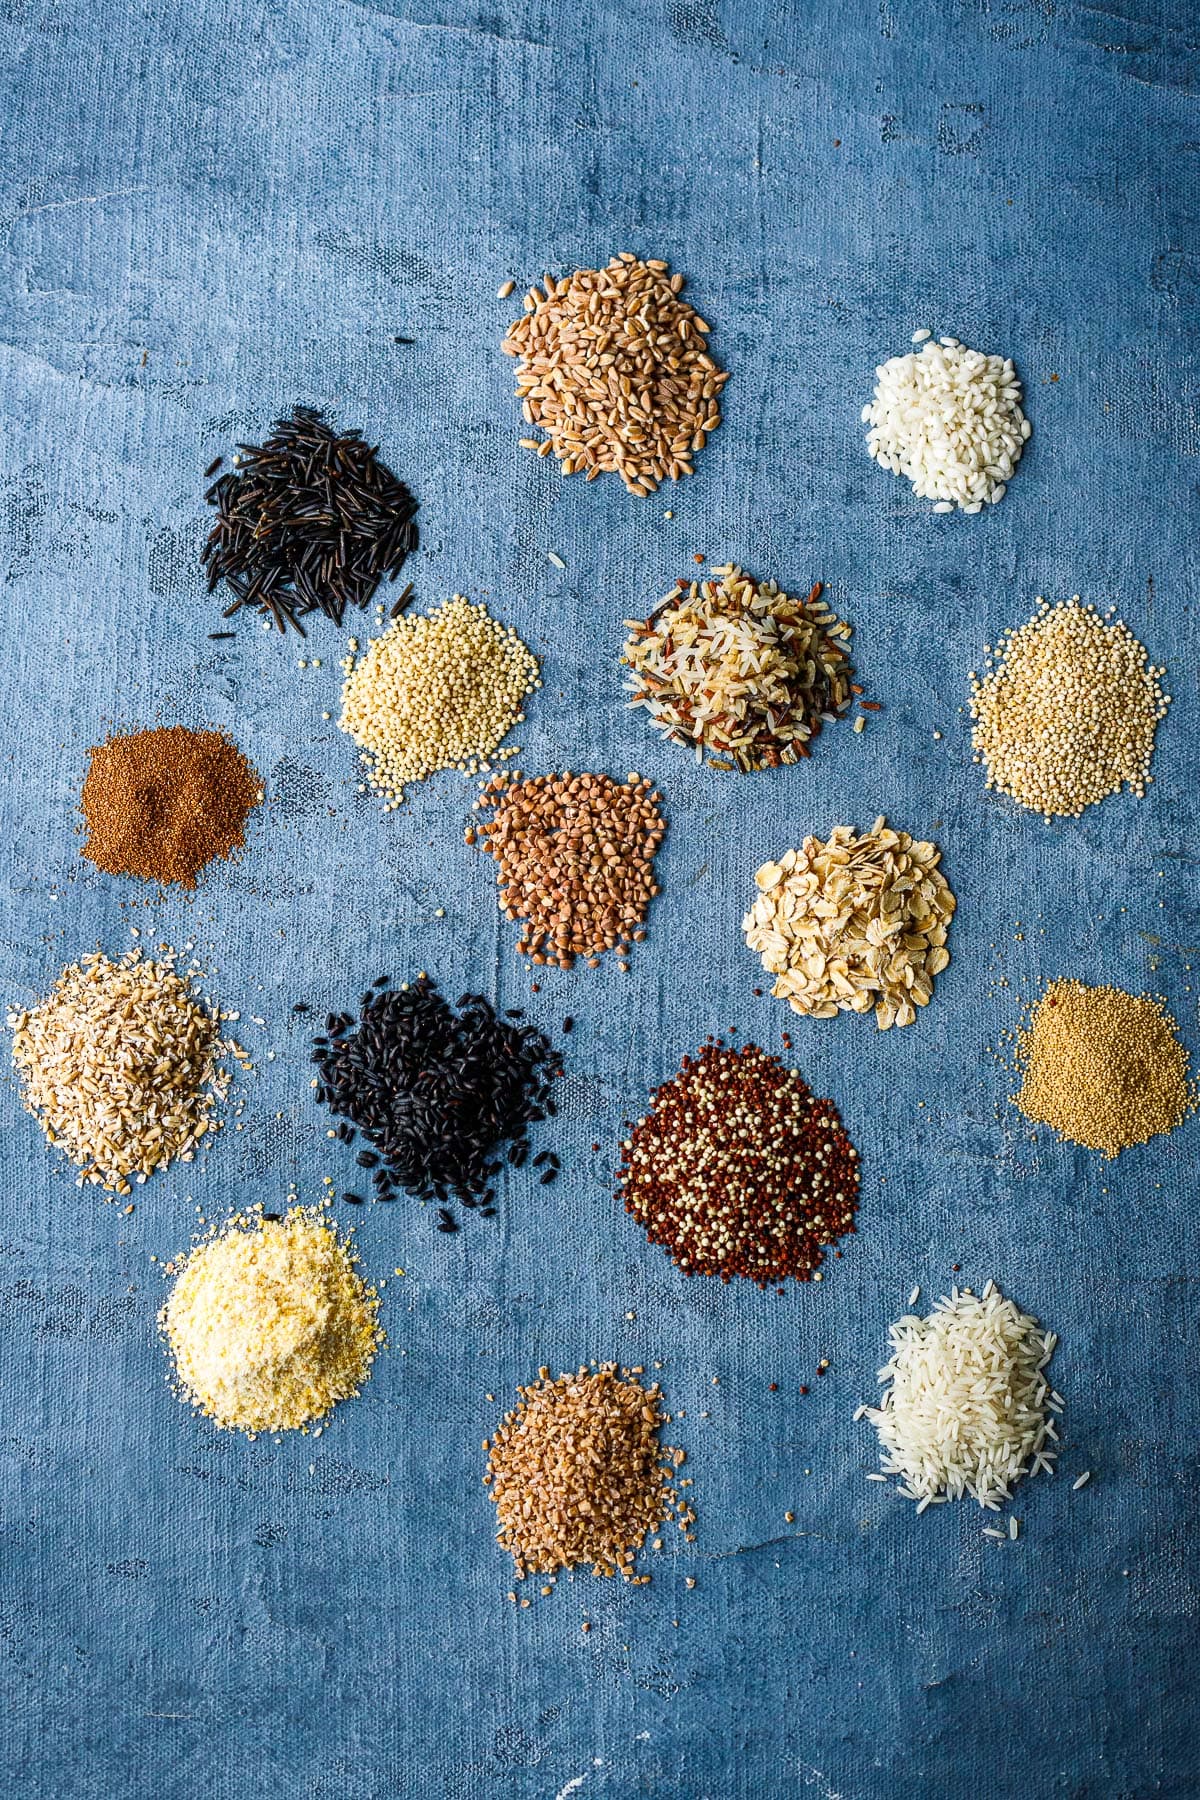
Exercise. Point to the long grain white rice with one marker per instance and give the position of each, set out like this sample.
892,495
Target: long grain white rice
1081,1481
949,419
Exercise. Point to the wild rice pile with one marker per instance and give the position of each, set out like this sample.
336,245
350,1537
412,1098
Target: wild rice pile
439,691
1104,1068
738,1170
120,1065
967,1406
270,1323
739,671
949,419
854,923
575,861
1068,713
615,368
578,1474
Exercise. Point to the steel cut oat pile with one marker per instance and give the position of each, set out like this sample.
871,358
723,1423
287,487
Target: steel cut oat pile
616,369
854,923
270,1323
120,1065
739,671
578,1474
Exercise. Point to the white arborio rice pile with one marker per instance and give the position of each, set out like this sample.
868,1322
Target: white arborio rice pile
950,420
968,1409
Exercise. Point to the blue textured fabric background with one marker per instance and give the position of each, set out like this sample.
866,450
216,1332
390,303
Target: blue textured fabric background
210,211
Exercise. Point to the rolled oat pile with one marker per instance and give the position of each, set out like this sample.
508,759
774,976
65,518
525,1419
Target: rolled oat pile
120,1065
616,370
853,924
738,671
578,1475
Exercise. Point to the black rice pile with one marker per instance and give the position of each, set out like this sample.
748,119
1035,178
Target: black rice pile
441,1094
309,521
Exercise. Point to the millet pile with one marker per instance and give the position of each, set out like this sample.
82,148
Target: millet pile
1104,1068
121,1067
578,1474
269,1322
575,861
738,1170
853,924
616,370
161,804
738,671
1068,713
438,691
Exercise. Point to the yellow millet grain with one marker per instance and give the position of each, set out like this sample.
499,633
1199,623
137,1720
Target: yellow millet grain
1104,1068
1068,713
270,1323
440,690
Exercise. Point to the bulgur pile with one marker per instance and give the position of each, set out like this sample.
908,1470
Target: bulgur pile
739,671
615,368
1068,713
1103,1067
120,1065
440,690
578,1475
270,1323
854,923
575,856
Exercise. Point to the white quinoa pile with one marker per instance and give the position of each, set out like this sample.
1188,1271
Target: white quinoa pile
439,690
120,1065
1068,712
269,1322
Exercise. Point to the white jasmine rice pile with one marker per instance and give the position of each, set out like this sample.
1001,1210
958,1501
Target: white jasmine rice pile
269,1322
967,1406
949,419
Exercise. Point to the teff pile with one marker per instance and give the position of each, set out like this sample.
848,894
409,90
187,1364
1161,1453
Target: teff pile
1068,713
439,691
738,670
1104,1068
270,1323
120,1066
738,1170
578,1475
615,368
575,857
161,804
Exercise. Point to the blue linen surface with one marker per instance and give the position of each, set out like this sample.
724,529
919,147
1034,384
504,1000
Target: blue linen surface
211,211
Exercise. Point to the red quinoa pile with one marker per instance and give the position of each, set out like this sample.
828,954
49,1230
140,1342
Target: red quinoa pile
737,1169
578,1474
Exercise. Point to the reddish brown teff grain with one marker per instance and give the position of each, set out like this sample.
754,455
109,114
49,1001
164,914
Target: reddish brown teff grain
575,856
737,1169
161,804
578,1474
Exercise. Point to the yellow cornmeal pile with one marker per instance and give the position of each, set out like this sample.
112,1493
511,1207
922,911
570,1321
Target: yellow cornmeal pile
1068,714
436,691
270,1323
1103,1067
578,1474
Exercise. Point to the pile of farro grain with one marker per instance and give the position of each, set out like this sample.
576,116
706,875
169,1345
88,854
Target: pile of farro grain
578,1474
949,419
1104,1068
739,671
1067,714
967,1407
616,370
737,1169
269,1322
851,924
121,1066
440,690
575,861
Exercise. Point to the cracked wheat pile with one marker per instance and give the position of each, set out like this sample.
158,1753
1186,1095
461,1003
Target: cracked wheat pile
854,924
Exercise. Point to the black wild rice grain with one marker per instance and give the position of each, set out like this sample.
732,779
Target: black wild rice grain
568,1025
213,466
309,521
439,1091
214,635
301,1006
